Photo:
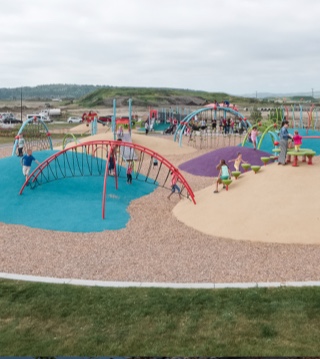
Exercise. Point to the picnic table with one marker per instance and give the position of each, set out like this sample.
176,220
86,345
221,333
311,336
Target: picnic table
304,152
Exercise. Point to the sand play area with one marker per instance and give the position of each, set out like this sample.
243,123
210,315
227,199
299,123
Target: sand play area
264,228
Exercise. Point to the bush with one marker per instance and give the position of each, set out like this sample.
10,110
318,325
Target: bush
255,115
8,132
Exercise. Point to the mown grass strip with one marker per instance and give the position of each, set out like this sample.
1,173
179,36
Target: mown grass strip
37,318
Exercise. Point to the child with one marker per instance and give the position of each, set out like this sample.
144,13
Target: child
129,173
111,164
297,140
120,132
174,186
254,135
26,162
20,145
223,174
146,127
237,161
155,162
190,135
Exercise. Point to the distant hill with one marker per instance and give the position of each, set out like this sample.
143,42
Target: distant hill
298,95
98,95
47,92
93,96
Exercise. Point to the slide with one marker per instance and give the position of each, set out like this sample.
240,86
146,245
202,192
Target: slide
127,153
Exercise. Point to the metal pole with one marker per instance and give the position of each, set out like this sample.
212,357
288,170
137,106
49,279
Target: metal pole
21,103
130,110
114,118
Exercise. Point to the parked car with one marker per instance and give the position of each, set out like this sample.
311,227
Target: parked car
38,117
11,120
5,116
74,119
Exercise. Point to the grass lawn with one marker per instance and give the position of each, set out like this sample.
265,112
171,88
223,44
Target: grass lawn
4,140
44,319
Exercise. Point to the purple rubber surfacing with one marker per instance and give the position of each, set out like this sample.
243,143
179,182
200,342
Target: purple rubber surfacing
205,165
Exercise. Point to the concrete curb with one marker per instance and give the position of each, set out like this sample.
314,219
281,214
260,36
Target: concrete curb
115,284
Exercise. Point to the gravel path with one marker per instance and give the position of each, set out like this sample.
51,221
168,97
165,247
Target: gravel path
154,247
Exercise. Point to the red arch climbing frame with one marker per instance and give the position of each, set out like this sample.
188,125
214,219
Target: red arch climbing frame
90,148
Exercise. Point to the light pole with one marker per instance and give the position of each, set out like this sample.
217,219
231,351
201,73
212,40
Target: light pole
21,102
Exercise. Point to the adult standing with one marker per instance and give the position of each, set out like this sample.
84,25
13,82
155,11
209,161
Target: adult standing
146,126
284,136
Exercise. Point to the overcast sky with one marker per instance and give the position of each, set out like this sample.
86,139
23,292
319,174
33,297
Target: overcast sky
233,46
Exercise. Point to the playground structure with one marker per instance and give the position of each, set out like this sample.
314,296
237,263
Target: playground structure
273,134
209,136
69,138
203,125
168,115
96,155
295,115
36,135
299,116
272,130
89,117
93,158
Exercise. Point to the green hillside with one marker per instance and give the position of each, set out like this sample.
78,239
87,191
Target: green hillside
155,97
103,95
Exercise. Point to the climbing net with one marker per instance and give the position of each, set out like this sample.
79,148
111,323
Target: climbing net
36,136
93,159
208,139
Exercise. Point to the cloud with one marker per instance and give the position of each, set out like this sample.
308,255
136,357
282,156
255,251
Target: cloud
235,46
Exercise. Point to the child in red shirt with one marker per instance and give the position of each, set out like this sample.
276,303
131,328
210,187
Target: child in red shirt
129,173
174,186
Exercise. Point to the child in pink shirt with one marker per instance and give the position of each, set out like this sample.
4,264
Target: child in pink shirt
254,135
297,140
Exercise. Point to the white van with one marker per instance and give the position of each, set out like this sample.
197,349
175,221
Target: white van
41,117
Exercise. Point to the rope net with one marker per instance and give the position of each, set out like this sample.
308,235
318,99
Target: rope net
92,160
36,137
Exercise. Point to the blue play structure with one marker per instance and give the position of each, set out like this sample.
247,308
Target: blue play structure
36,135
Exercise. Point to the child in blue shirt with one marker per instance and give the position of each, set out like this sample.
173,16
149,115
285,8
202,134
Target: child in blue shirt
26,162
224,173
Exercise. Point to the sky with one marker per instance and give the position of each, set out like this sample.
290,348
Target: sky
234,46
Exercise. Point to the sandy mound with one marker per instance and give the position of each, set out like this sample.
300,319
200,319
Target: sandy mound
277,204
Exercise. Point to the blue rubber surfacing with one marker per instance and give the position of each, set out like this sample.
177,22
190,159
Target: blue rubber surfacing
71,204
